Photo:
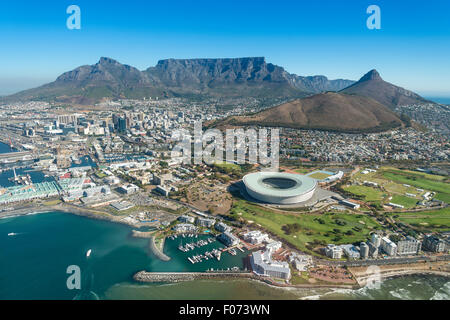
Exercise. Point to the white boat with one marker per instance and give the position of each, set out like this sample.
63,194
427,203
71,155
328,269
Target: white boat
12,234
88,253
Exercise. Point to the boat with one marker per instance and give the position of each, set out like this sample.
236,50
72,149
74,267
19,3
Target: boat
12,234
88,253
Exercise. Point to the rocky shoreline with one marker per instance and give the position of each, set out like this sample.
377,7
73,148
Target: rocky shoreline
79,211
155,277
441,268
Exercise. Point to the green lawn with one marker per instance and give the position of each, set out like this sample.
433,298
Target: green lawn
405,201
338,228
228,167
319,175
302,170
434,220
393,181
421,180
369,193
100,174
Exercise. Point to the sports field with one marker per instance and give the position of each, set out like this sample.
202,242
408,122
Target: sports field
368,193
319,175
405,201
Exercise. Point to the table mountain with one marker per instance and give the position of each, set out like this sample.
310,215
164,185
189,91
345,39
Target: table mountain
238,77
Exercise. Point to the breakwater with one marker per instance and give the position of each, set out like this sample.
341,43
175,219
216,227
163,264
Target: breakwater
157,252
144,276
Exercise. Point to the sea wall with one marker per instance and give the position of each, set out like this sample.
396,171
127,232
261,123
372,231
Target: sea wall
144,276
158,253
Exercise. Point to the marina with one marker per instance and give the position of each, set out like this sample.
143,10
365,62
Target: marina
214,254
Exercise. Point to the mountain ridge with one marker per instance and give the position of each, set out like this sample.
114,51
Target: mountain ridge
248,76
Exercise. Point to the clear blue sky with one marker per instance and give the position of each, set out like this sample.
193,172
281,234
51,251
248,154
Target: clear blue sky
326,37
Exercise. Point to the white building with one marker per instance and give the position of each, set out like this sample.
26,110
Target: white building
186,219
351,251
204,222
229,239
184,227
255,237
364,250
408,246
222,227
333,251
129,188
262,264
388,246
376,240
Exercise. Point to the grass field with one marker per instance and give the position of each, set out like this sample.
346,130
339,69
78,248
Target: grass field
405,201
52,202
302,170
100,174
432,221
319,175
421,180
398,182
315,229
370,194
228,167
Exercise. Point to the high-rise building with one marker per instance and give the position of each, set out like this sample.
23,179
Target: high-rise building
332,251
122,125
388,246
408,246
128,120
364,250
68,118
373,250
434,244
376,240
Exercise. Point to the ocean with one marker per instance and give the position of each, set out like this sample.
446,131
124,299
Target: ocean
33,265
5,148
443,100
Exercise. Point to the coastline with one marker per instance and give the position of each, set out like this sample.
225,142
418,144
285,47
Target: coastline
84,212
440,268
161,277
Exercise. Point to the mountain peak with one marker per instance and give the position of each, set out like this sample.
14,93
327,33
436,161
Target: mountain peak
371,75
373,86
106,60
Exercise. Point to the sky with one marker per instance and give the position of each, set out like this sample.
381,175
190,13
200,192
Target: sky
327,37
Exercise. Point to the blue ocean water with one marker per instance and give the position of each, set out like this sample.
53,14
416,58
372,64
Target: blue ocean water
33,262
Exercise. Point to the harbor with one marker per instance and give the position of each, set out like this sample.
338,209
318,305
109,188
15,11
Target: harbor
205,253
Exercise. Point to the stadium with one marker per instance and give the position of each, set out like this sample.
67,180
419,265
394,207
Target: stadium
279,188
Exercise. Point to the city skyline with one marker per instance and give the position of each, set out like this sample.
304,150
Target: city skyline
329,38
